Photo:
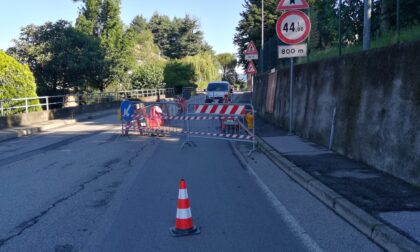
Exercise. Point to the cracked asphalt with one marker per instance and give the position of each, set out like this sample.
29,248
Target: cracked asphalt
57,187
86,188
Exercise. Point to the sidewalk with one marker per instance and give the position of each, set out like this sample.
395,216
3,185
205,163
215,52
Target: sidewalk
15,132
383,207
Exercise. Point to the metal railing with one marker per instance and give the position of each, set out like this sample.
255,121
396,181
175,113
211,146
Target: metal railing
28,104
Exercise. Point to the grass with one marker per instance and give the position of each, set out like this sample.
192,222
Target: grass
386,39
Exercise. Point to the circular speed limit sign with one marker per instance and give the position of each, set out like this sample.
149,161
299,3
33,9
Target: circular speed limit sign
293,27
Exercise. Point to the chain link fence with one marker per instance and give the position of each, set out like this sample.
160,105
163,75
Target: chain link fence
392,22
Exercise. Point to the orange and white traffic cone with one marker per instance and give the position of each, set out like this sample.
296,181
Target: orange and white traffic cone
183,224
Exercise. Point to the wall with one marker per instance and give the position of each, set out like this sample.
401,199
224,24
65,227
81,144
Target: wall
377,97
42,116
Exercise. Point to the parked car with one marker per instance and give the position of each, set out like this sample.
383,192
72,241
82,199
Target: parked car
217,90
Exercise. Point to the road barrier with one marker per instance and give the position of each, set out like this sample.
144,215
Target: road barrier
157,118
231,121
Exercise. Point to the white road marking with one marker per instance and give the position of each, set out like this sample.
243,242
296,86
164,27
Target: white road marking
287,217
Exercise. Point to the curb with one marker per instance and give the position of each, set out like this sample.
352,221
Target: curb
9,134
376,230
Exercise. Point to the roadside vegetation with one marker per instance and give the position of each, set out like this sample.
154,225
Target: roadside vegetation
101,53
16,80
387,27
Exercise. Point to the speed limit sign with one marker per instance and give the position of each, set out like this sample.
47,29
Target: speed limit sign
293,27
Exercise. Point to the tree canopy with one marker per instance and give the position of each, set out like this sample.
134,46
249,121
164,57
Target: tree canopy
16,81
179,37
101,53
228,64
324,18
61,58
101,19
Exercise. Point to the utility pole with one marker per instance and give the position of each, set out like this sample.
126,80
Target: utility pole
339,28
398,21
262,37
367,9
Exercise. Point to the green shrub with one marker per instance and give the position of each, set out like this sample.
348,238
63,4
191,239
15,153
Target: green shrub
198,70
16,81
148,76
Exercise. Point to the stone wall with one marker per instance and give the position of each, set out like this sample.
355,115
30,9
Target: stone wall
376,94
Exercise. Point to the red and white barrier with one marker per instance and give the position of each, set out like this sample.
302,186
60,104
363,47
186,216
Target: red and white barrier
220,135
223,109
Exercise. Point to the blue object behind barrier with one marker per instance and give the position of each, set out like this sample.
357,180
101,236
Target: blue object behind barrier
127,110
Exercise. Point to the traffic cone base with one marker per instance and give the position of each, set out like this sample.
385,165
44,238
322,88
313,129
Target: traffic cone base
184,232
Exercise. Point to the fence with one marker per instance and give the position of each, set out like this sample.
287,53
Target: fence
337,31
25,105
232,122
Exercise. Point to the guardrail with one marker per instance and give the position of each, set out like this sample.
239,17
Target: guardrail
27,104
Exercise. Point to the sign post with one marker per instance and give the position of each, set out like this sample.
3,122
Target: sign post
252,70
292,28
251,53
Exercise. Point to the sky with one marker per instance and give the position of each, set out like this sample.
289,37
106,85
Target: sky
218,18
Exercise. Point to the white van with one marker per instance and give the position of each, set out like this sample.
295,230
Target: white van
217,90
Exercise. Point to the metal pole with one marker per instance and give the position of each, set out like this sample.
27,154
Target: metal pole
46,101
332,129
262,36
252,88
366,23
26,105
1,107
309,37
291,97
398,21
339,27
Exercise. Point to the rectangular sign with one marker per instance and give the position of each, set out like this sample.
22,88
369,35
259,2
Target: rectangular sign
292,51
251,56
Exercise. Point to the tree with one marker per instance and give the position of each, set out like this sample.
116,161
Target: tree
148,76
352,21
61,58
192,70
409,14
228,64
178,73
324,21
101,19
146,51
206,68
88,22
249,27
186,38
139,24
16,81
179,37
160,26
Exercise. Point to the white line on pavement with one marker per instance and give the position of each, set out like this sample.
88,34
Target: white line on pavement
288,218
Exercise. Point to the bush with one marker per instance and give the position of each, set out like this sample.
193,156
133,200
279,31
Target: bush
178,73
198,70
148,76
16,81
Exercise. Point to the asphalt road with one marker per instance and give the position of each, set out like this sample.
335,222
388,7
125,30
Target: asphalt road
86,188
